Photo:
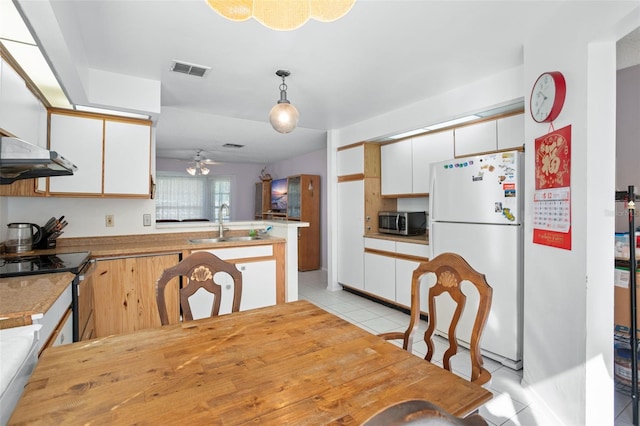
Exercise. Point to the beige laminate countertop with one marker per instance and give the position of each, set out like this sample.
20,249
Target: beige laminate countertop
22,297
131,245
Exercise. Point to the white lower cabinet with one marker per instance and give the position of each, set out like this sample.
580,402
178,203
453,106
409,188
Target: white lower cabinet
258,281
380,275
389,269
351,203
259,284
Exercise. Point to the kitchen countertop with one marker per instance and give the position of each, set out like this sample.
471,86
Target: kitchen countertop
130,245
415,239
22,297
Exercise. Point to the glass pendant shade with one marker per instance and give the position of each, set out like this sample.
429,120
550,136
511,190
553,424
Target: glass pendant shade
282,15
283,117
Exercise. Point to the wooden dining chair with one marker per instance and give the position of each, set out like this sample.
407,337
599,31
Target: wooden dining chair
420,412
198,270
450,270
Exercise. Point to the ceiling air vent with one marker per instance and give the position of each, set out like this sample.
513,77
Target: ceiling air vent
190,69
232,145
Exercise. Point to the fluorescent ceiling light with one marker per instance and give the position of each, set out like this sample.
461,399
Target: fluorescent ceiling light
405,134
86,108
452,122
17,40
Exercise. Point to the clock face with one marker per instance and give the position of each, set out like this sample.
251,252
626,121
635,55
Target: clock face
547,97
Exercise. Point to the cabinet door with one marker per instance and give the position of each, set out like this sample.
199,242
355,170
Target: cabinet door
350,233
396,168
511,132
350,161
404,274
127,151
475,138
80,140
258,284
21,113
380,275
124,293
429,149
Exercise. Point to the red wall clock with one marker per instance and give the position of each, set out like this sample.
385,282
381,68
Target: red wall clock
547,96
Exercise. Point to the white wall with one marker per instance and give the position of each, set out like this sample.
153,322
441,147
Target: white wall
568,342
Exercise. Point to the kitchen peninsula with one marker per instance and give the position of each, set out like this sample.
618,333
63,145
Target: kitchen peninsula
126,268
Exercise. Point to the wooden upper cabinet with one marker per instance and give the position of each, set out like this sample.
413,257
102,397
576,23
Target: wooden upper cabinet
113,155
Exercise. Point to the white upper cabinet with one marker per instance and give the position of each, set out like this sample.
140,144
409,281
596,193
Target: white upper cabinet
350,161
476,138
428,149
511,132
406,164
396,168
127,154
113,156
79,139
21,112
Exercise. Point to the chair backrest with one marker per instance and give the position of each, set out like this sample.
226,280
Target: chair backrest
198,270
450,270
420,412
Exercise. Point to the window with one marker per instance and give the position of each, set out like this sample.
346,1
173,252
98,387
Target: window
181,197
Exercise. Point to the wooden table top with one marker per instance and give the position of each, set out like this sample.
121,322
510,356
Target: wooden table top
292,363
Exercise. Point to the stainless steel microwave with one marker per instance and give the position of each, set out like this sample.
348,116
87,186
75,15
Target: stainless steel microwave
402,223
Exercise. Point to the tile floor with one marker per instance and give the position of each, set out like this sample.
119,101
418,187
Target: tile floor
511,404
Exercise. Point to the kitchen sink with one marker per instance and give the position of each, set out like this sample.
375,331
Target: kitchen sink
223,240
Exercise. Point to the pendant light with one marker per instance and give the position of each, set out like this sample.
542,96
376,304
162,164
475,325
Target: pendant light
283,116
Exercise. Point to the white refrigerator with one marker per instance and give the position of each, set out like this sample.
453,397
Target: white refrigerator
476,211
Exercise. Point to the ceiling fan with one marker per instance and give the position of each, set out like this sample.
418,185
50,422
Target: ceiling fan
197,166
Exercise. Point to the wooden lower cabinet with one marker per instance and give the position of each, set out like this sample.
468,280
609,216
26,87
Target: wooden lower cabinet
124,293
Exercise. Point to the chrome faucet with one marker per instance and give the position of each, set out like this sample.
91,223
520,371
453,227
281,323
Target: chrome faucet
220,226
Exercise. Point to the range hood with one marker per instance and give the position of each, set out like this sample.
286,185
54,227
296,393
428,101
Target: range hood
22,160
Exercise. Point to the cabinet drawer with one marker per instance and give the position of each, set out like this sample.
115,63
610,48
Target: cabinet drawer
411,249
378,244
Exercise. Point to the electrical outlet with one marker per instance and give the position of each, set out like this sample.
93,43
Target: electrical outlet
108,220
146,219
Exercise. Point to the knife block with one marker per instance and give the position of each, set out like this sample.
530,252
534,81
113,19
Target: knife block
47,241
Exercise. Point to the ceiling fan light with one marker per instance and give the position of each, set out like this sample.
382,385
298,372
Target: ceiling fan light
283,117
191,170
204,170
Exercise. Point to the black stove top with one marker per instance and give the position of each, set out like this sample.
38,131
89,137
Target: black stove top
16,266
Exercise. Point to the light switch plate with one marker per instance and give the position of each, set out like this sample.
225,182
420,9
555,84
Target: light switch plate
146,219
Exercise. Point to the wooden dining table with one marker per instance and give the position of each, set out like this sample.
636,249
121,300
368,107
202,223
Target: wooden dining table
288,364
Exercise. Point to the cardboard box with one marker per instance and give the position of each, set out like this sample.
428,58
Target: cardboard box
622,302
